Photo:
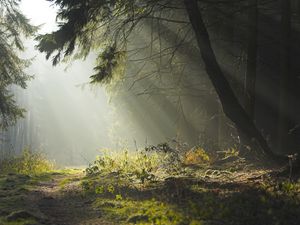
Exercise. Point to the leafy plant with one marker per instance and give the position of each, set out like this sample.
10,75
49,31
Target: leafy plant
289,187
171,157
147,165
140,166
28,162
196,155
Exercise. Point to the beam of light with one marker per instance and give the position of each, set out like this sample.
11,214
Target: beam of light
69,123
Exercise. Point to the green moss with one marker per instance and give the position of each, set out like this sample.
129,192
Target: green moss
140,212
17,222
13,190
68,171
64,182
121,199
187,202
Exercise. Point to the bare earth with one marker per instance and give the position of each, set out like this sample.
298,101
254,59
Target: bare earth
67,206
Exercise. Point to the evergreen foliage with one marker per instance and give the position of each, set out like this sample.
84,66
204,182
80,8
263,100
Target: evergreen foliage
13,27
105,27
102,26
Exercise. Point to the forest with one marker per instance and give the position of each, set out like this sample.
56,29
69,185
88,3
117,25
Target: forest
149,112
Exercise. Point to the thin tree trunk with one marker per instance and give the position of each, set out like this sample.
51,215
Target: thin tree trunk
250,77
231,106
285,76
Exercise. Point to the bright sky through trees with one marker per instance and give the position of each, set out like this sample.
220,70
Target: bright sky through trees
64,119
40,12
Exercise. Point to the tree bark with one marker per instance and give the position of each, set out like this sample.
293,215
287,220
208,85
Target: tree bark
250,77
230,104
285,77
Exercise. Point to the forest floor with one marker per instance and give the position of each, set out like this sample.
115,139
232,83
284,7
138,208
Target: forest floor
213,197
51,198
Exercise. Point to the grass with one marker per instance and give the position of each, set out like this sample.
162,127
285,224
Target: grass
13,190
18,222
143,188
16,191
231,196
139,212
140,166
18,176
28,162
182,201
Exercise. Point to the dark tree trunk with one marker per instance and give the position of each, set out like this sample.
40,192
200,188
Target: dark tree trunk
285,77
250,77
231,106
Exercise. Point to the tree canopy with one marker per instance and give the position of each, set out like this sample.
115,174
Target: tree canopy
13,27
105,27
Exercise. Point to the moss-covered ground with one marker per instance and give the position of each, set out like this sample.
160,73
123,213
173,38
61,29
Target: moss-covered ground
65,197
242,198
107,194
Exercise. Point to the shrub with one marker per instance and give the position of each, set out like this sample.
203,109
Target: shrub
149,164
139,165
196,155
28,162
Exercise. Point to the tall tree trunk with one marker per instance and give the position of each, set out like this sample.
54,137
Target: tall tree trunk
285,76
231,106
250,77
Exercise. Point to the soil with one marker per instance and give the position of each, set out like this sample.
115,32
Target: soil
55,205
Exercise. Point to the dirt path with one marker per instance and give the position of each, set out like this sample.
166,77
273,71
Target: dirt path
211,197
65,205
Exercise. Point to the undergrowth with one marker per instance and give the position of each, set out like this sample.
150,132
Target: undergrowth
147,165
28,162
138,165
163,185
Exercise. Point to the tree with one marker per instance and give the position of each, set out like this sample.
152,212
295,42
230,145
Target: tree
84,24
285,76
231,106
13,24
250,77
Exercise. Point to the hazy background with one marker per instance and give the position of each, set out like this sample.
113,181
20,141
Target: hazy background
66,117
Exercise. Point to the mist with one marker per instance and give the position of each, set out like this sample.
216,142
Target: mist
162,93
70,120
66,118
149,112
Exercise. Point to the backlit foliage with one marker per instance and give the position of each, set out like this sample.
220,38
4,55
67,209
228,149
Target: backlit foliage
150,164
196,155
138,166
28,162
99,26
231,198
13,24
